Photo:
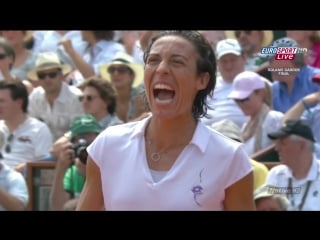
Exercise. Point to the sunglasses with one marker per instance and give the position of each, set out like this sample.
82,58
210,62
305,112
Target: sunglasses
7,148
238,33
3,56
242,100
50,75
89,98
120,70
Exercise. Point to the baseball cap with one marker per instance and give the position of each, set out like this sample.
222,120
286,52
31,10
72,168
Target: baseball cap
246,83
84,124
297,127
226,46
228,128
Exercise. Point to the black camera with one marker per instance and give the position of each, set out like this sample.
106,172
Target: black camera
80,150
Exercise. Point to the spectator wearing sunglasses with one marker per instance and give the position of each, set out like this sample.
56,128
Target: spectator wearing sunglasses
25,138
127,78
251,43
249,92
54,101
99,100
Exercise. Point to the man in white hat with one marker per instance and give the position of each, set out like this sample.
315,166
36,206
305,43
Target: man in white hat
230,62
54,102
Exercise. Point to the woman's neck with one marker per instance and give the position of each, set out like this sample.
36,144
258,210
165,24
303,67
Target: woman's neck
164,132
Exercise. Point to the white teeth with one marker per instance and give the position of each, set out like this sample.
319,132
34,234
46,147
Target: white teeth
162,86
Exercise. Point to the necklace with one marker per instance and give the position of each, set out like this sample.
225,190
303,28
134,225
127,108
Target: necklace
156,156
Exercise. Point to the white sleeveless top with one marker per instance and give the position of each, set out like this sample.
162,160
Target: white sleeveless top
208,165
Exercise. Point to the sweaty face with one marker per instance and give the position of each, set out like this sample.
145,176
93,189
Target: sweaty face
171,79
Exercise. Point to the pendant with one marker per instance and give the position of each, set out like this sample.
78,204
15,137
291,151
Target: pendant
155,157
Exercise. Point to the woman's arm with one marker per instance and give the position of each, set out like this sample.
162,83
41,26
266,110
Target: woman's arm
239,196
91,198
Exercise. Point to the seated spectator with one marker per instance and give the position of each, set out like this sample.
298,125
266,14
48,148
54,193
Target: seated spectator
308,109
292,79
249,92
99,100
14,195
24,58
7,60
230,62
267,200
54,102
251,43
309,40
25,138
299,171
101,49
127,77
70,171
233,131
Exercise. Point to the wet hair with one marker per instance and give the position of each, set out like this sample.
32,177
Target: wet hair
106,91
206,62
17,91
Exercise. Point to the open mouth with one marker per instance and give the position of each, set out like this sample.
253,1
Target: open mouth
163,93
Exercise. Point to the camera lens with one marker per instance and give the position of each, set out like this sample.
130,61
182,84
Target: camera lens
80,150
82,155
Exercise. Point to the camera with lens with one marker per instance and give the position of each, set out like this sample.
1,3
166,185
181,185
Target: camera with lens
80,150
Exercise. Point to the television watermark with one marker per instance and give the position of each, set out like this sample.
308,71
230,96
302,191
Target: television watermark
283,71
284,190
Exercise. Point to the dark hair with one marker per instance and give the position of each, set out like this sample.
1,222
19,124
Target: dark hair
17,91
206,63
105,90
103,35
8,49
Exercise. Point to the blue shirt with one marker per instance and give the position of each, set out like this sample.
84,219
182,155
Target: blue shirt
302,86
312,118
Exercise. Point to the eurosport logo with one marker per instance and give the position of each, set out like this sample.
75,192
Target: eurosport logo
283,53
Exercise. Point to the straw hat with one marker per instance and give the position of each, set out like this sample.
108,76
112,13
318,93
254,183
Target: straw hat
46,61
122,58
267,37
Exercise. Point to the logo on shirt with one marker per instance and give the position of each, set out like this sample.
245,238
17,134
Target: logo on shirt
198,189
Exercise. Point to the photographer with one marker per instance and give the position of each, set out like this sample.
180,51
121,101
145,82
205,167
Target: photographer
70,169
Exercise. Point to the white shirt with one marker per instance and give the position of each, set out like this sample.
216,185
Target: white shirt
31,142
206,167
65,108
14,183
278,176
102,52
49,40
271,122
222,106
